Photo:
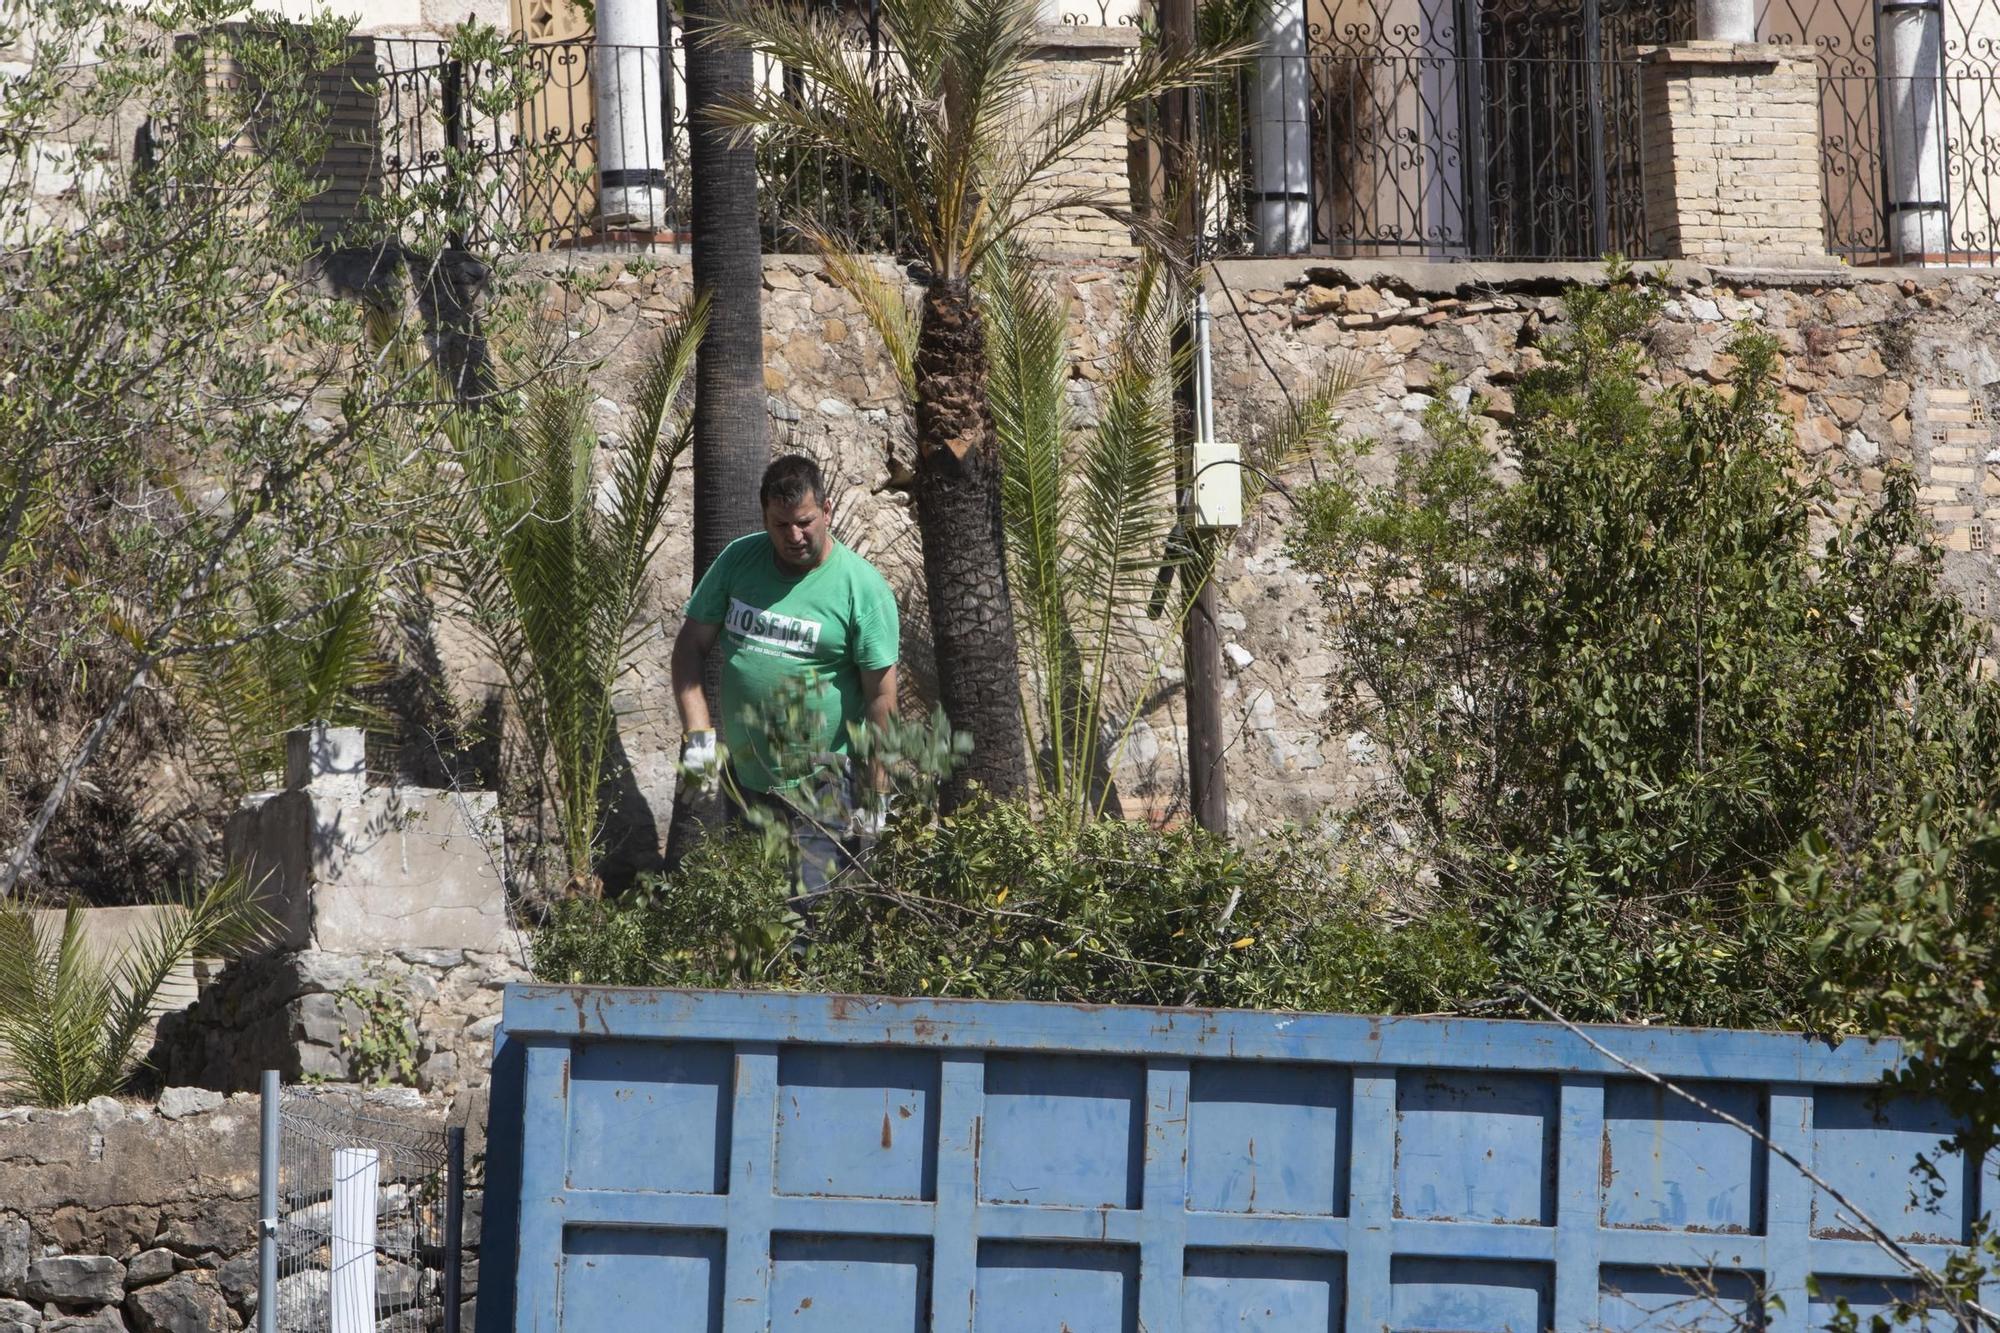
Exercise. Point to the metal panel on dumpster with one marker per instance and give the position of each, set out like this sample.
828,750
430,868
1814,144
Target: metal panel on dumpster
728,1162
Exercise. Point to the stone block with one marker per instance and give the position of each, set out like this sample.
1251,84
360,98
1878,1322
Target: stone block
238,1279
305,1298
106,1320
75,1279
155,1265
18,1317
376,869
174,1103
188,1304
14,1242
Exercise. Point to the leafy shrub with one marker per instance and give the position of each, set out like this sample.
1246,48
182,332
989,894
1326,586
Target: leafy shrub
719,920
1911,945
1617,695
990,902
380,1041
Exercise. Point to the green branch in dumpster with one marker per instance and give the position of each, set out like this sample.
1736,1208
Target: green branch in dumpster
1959,1306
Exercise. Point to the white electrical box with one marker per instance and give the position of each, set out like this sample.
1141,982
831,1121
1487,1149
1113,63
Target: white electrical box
1218,484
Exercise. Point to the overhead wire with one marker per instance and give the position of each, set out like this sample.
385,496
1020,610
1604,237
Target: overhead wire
1291,403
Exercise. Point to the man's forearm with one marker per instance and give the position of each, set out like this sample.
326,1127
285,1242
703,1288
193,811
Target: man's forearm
881,707
689,696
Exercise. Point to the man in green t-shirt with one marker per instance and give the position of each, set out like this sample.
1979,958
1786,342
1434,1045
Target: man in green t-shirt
808,630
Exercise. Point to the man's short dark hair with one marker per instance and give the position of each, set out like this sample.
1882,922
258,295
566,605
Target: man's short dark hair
789,480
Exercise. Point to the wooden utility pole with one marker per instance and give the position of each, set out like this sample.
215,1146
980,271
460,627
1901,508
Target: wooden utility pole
1201,641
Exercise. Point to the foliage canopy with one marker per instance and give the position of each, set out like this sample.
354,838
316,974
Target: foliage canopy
1619,694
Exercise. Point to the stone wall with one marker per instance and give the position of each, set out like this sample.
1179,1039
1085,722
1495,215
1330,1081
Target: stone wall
1878,365
142,1216
300,1013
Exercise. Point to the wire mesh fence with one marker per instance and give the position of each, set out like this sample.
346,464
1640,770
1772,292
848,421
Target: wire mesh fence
367,1219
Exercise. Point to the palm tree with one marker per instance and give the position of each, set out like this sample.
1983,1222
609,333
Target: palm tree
1095,543
70,1020
550,565
955,129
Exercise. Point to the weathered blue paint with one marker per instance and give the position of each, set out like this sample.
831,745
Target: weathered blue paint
729,1162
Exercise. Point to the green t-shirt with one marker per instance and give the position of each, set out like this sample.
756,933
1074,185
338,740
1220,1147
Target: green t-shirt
821,630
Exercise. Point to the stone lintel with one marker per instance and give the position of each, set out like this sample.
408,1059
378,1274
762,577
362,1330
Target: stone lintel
1079,41
1738,54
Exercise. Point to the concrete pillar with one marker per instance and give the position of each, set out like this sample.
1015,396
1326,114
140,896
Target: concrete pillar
1280,135
1913,127
631,137
1725,20
326,758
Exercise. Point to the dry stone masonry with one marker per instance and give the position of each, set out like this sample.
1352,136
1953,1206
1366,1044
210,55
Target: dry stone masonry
1878,366
300,1013
140,1217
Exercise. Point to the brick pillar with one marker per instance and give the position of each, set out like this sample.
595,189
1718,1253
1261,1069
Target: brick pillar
1068,59
1732,144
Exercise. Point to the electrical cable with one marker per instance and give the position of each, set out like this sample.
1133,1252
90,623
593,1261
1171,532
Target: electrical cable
1237,310
1291,404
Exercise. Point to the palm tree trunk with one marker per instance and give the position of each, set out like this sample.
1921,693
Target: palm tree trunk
731,436
965,560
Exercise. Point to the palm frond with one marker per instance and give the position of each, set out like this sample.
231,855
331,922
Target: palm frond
70,1024
1310,424
550,568
1087,515
273,652
57,1001
224,919
1126,483
987,74
845,110
918,31
1106,97
1028,352
949,123
645,469
1028,348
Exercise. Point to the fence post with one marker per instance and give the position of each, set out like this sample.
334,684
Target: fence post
1597,86
631,145
454,154
1281,149
454,1223
1471,54
1725,20
351,1255
267,1204
670,202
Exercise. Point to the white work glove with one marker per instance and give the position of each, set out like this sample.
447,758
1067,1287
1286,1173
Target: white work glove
871,816
701,760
